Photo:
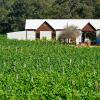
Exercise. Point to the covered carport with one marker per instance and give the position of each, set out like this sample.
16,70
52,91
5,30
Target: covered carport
89,32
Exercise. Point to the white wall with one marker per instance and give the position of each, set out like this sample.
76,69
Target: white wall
21,35
79,38
58,34
98,33
46,34
31,35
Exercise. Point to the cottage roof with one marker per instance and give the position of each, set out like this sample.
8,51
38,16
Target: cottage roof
62,23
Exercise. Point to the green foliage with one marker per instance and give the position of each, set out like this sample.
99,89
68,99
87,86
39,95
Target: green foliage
44,70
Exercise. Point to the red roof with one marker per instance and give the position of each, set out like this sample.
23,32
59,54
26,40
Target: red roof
88,28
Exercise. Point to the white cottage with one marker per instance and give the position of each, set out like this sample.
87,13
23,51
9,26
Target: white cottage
52,28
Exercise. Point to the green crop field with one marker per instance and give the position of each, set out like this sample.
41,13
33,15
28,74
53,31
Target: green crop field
43,70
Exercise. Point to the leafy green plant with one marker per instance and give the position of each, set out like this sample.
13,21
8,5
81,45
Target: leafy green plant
34,70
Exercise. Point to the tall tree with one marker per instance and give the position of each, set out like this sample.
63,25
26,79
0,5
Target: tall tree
97,9
4,11
65,8
17,15
14,12
69,33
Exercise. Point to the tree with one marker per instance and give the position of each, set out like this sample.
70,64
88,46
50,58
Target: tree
5,25
17,15
85,11
97,9
65,9
42,9
13,13
69,33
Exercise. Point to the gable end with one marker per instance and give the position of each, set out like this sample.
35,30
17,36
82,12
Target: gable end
88,28
45,27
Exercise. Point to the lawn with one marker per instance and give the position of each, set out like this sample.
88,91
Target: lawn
44,70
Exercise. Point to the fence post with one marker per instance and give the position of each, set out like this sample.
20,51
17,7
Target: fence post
26,34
